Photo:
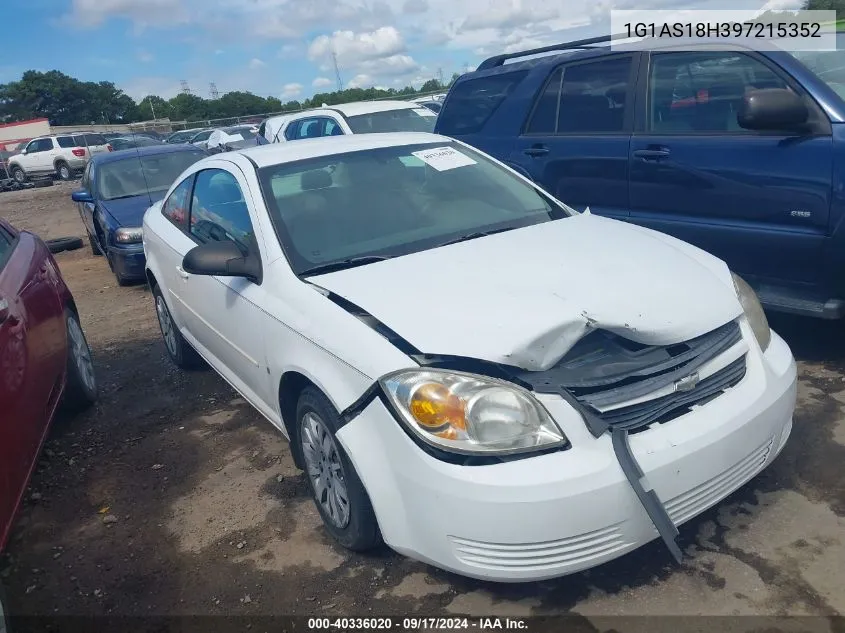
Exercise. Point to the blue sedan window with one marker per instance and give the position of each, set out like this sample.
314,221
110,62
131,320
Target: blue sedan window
137,176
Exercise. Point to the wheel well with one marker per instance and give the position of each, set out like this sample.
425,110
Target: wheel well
59,161
290,386
151,278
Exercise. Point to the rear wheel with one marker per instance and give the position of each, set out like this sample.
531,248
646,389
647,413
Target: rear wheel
81,386
178,349
63,171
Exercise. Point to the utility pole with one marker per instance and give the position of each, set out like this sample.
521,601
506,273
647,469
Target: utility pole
337,71
150,99
440,77
185,89
212,90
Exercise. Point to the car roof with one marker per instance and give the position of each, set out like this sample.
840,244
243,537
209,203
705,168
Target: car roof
368,107
278,153
144,150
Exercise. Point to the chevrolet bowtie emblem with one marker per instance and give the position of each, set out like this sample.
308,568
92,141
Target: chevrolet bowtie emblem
687,383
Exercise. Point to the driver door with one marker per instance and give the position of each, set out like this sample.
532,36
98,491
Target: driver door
225,322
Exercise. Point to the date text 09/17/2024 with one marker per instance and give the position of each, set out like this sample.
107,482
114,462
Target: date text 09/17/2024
724,30
418,624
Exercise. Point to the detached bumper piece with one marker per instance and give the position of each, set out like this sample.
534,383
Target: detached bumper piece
604,371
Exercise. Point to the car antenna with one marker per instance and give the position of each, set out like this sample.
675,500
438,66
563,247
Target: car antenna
141,163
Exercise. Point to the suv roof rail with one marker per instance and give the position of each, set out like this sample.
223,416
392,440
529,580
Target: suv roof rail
498,60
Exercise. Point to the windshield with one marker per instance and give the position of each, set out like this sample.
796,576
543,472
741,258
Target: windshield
394,201
404,120
244,133
829,66
136,176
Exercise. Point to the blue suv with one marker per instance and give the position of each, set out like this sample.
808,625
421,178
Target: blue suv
739,152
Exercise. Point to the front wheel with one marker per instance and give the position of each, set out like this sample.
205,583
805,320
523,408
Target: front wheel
81,389
178,349
340,496
19,175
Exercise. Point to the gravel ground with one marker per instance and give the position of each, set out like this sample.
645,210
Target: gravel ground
173,497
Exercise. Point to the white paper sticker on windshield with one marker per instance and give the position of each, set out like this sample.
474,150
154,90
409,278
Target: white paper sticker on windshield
424,112
444,158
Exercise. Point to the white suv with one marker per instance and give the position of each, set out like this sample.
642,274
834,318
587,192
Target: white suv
361,117
61,155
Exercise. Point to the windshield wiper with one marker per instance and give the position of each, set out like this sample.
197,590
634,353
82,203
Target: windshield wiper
128,195
352,262
476,235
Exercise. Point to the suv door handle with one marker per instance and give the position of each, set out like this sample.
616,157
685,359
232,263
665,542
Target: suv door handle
536,150
651,154
182,272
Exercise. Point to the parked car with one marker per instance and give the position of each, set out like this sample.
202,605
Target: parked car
362,117
62,156
432,104
45,358
738,152
232,137
182,136
431,330
126,142
201,137
115,191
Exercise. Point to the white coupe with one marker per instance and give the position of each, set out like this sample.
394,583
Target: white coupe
466,368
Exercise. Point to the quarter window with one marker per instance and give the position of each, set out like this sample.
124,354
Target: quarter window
219,211
703,92
472,102
175,207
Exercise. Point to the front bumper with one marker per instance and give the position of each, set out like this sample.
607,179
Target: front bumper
564,512
128,261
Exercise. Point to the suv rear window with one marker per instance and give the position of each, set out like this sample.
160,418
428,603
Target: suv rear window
66,141
472,102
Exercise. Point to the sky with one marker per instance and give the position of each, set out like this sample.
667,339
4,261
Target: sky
284,48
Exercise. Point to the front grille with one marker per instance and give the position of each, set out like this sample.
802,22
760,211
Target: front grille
604,371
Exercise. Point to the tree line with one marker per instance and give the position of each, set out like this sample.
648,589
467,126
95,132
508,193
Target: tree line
65,100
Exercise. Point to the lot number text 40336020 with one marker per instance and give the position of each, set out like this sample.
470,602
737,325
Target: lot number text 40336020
418,624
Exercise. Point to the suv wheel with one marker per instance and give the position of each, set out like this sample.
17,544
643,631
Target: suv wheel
63,170
18,174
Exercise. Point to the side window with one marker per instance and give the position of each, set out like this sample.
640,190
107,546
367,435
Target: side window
86,177
332,128
40,145
219,211
261,128
593,97
545,115
472,102
703,91
175,208
66,142
306,128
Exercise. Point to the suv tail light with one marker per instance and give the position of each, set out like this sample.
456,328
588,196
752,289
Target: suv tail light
78,151
111,149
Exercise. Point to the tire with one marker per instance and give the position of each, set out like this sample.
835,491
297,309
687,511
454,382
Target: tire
64,244
95,247
19,175
330,471
178,349
63,171
81,389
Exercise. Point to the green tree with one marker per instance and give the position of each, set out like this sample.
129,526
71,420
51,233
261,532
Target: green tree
153,107
432,85
826,5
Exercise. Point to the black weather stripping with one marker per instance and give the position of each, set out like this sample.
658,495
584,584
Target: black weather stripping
648,498
368,319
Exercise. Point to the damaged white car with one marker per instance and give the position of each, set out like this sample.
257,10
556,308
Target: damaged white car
466,368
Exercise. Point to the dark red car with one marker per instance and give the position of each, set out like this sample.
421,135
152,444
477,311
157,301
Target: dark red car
45,360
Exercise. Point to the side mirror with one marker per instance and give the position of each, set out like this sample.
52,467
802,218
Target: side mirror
223,259
80,195
23,152
772,109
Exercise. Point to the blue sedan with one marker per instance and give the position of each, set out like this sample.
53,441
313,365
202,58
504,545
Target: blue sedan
117,188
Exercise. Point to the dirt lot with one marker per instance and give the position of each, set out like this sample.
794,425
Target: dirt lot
212,517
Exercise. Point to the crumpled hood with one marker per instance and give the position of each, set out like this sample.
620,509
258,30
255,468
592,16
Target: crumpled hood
130,211
524,297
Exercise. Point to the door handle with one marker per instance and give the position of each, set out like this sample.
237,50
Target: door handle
651,154
537,150
182,272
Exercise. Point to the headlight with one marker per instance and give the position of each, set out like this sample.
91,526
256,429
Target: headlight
753,311
469,414
128,235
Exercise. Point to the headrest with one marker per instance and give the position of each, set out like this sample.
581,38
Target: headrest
315,179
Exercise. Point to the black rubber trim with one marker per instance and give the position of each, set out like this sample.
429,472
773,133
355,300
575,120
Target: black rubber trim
398,341
357,408
648,498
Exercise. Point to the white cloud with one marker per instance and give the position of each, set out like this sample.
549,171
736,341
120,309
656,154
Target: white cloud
361,81
289,91
145,56
321,82
354,47
92,13
389,66
503,14
256,63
